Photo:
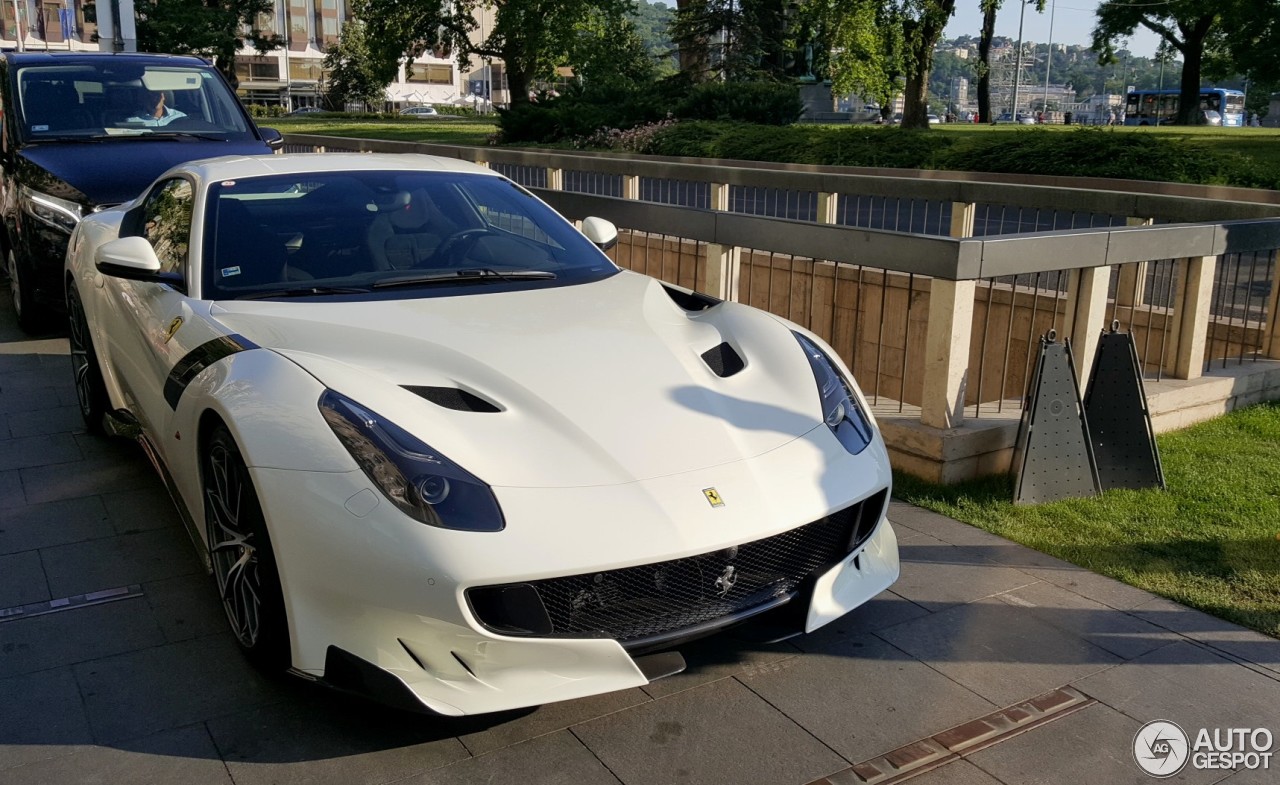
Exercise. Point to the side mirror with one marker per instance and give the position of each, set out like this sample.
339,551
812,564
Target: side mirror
601,232
132,258
273,138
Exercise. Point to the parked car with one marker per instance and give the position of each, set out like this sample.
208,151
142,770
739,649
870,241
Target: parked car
90,130
436,446
934,119
422,112
306,110
1022,119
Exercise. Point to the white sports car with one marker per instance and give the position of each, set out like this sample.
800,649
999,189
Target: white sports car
437,448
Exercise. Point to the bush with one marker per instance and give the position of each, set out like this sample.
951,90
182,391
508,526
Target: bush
580,112
766,103
633,140
809,144
265,110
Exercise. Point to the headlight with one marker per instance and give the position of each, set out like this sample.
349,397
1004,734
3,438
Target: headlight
840,407
58,213
419,481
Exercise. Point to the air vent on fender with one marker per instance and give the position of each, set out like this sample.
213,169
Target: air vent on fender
723,360
690,300
453,398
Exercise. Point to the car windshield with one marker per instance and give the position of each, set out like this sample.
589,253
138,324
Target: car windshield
395,233
122,99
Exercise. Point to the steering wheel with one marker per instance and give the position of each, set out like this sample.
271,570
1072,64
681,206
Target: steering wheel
453,250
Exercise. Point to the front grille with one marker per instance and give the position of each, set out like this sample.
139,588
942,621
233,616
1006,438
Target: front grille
639,604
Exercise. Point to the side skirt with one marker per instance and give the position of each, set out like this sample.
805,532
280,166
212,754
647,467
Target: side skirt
121,423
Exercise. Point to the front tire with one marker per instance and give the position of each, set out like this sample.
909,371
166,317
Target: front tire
244,564
91,390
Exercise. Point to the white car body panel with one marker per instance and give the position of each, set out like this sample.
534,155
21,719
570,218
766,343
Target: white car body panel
611,427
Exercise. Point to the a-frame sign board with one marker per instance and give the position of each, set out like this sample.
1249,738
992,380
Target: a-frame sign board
1054,458
1124,445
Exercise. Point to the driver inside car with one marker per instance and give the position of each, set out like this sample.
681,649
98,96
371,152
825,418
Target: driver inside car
150,109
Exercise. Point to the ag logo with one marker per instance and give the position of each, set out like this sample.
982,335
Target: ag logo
1160,748
713,496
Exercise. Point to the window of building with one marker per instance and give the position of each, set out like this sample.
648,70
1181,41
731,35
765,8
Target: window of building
430,74
306,69
257,68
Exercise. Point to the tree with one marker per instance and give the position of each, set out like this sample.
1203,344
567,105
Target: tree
531,37
989,10
212,29
354,77
609,51
1184,25
922,23
865,43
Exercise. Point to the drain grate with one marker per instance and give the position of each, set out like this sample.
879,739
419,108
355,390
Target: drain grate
942,748
70,603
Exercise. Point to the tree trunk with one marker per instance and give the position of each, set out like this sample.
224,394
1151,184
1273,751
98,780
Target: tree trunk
984,57
517,85
915,106
1192,58
694,56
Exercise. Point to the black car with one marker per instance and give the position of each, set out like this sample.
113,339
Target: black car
84,131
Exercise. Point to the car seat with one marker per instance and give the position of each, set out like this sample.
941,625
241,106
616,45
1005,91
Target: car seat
55,105
407,236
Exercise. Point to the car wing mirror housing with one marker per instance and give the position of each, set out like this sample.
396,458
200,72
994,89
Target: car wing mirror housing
132,258
273,138
601,232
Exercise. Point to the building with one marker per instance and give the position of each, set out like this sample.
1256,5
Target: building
294,76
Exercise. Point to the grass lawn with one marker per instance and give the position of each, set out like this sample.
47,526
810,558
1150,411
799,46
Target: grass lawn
470,131
1211,541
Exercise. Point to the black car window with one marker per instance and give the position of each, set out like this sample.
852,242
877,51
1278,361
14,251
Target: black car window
166,223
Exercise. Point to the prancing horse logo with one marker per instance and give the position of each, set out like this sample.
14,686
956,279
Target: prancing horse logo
713,496
724,584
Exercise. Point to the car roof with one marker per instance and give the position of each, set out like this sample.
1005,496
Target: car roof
90,58
241,166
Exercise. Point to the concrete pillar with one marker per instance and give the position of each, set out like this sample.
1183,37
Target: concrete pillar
1086,316
719,196
555,178
631,186
723,263
1133,277
947,338
827,208
1191,317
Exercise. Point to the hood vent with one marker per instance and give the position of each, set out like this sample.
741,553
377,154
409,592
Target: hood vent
689,300
453,398
723,360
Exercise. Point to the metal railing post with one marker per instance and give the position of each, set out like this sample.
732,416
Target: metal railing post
1085,315
723,263
1271,328
1131,284
1192,301
947,337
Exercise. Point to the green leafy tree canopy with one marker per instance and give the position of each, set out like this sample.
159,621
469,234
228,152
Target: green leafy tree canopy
212,29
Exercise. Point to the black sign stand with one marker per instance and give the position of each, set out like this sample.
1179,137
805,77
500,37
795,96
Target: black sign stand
1124,443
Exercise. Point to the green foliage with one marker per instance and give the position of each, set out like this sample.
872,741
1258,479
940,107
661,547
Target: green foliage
265,110
355,77
1099,152
212,29
1082,152
1210,541
580,112
808,144
652,22
611,51
767,103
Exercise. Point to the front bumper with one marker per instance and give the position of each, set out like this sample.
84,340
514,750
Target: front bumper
390,592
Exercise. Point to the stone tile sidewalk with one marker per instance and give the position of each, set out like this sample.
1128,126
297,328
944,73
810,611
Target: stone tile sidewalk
151,688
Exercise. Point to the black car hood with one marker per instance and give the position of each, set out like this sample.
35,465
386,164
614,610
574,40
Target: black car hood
116,170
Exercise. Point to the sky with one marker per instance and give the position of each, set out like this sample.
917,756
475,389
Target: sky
1073,22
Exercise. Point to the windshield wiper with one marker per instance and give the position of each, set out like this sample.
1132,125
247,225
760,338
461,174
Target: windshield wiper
486,274
148,134
310,291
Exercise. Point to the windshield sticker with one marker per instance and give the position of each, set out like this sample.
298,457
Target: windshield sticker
39,128
228,183
227,272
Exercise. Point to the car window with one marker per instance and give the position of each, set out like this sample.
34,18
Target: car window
166,223
367,229
124,99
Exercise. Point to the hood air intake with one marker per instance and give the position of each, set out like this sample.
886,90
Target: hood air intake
723,360
453,398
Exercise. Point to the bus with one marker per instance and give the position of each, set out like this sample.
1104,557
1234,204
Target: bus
1160,107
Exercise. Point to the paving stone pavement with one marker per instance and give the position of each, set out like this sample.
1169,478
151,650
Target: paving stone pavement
151,688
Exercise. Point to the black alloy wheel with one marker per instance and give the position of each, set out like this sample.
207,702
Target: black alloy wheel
91,390
20,295
244,564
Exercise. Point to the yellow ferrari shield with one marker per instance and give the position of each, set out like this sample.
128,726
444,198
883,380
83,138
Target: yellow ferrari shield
713,496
